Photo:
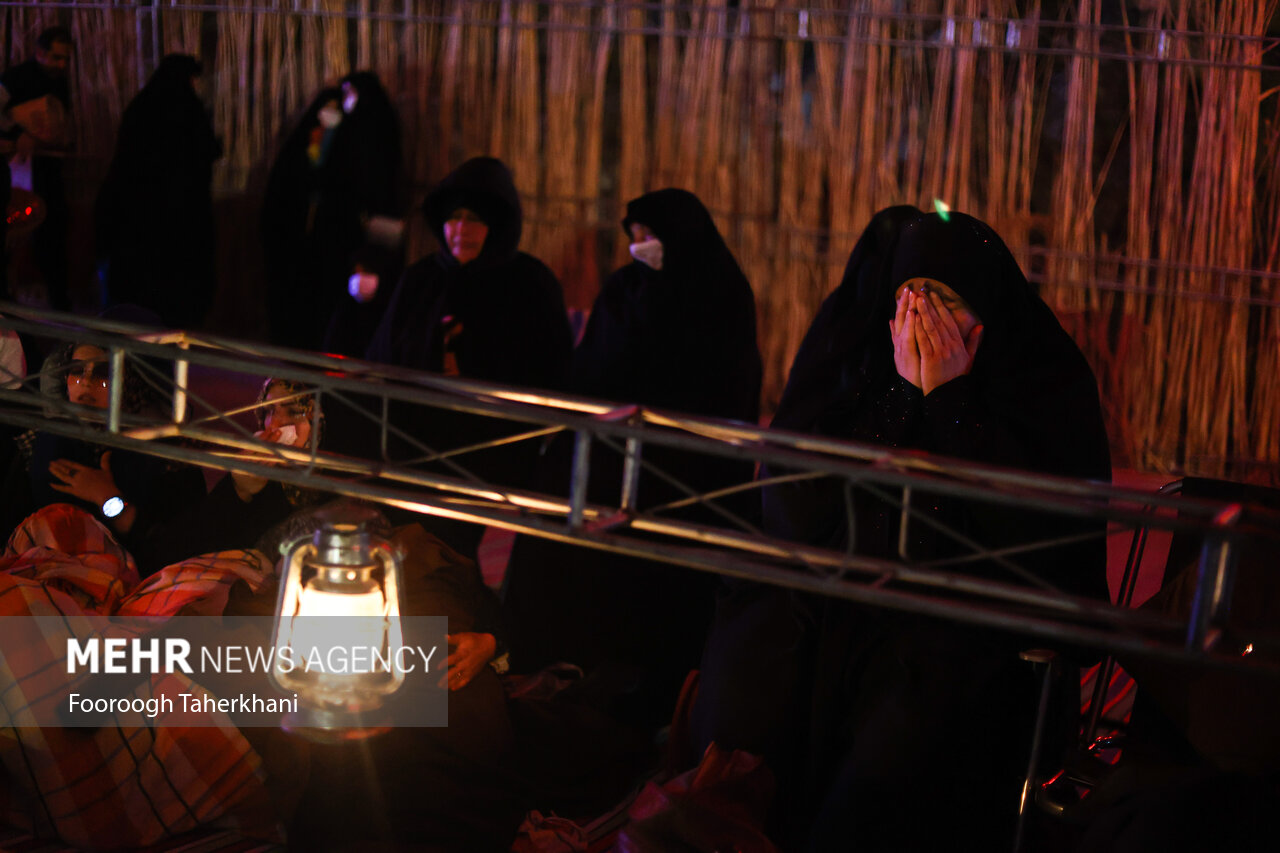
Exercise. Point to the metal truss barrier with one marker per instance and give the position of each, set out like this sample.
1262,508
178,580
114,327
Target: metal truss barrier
438,482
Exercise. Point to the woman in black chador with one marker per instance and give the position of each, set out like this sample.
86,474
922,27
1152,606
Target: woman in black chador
477,308
908,733
154,213
338,170
674,330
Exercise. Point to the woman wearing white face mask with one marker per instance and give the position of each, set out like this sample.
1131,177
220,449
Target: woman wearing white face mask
676,329
673,330
336,175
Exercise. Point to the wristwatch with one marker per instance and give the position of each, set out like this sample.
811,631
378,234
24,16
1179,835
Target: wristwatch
113,506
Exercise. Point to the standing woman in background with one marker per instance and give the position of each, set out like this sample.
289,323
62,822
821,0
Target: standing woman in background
154,213
337,174
673,330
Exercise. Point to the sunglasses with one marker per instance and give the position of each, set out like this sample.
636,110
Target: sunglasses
82,375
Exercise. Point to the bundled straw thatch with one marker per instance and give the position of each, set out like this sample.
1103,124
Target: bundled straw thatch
1127,151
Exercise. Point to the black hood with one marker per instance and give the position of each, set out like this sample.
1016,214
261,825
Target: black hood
683,224
174,74
835,354
483,185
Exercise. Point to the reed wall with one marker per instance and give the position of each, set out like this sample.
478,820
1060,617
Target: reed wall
1128,152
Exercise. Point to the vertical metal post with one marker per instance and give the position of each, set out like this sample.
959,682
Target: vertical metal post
1041,660
317,414
904,524
181,370
155,35
850,519
1214,580
117,390
1216,559
1106,669
386,419
138,12
631,474
1128,584
581,473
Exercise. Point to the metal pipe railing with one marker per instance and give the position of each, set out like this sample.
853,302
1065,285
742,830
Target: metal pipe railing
737,550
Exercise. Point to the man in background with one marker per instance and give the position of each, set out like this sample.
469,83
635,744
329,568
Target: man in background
35,104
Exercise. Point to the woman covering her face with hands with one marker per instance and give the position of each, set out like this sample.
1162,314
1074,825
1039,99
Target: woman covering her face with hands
935,333
934,341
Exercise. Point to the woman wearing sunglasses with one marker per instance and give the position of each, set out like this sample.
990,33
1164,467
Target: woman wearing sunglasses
130,493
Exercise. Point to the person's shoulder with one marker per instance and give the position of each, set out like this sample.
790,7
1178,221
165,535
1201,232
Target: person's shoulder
627,284
528,270
25,81
422,272
11,78
626,276
525,261
20,69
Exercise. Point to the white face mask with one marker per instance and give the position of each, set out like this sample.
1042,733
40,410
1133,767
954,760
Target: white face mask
330,117
362,286
288,435
648,253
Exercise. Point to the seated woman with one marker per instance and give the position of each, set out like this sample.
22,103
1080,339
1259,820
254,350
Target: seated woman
242,507
476,308
472,805
248,511
68,782
675,330
934,341
132,493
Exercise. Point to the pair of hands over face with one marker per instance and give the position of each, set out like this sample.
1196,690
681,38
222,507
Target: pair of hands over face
930,347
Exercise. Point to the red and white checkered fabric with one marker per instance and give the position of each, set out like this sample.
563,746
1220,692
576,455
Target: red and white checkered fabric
132,781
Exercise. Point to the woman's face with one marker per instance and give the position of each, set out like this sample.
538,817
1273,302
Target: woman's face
464,234
966,318
88,381
329,115
640,233
294,412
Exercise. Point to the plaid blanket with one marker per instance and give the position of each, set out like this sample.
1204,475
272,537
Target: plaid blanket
133,781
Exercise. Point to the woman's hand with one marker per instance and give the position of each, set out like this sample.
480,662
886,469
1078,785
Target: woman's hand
302,435
24,149
944,352
471,653
903,330
92,485
248,485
